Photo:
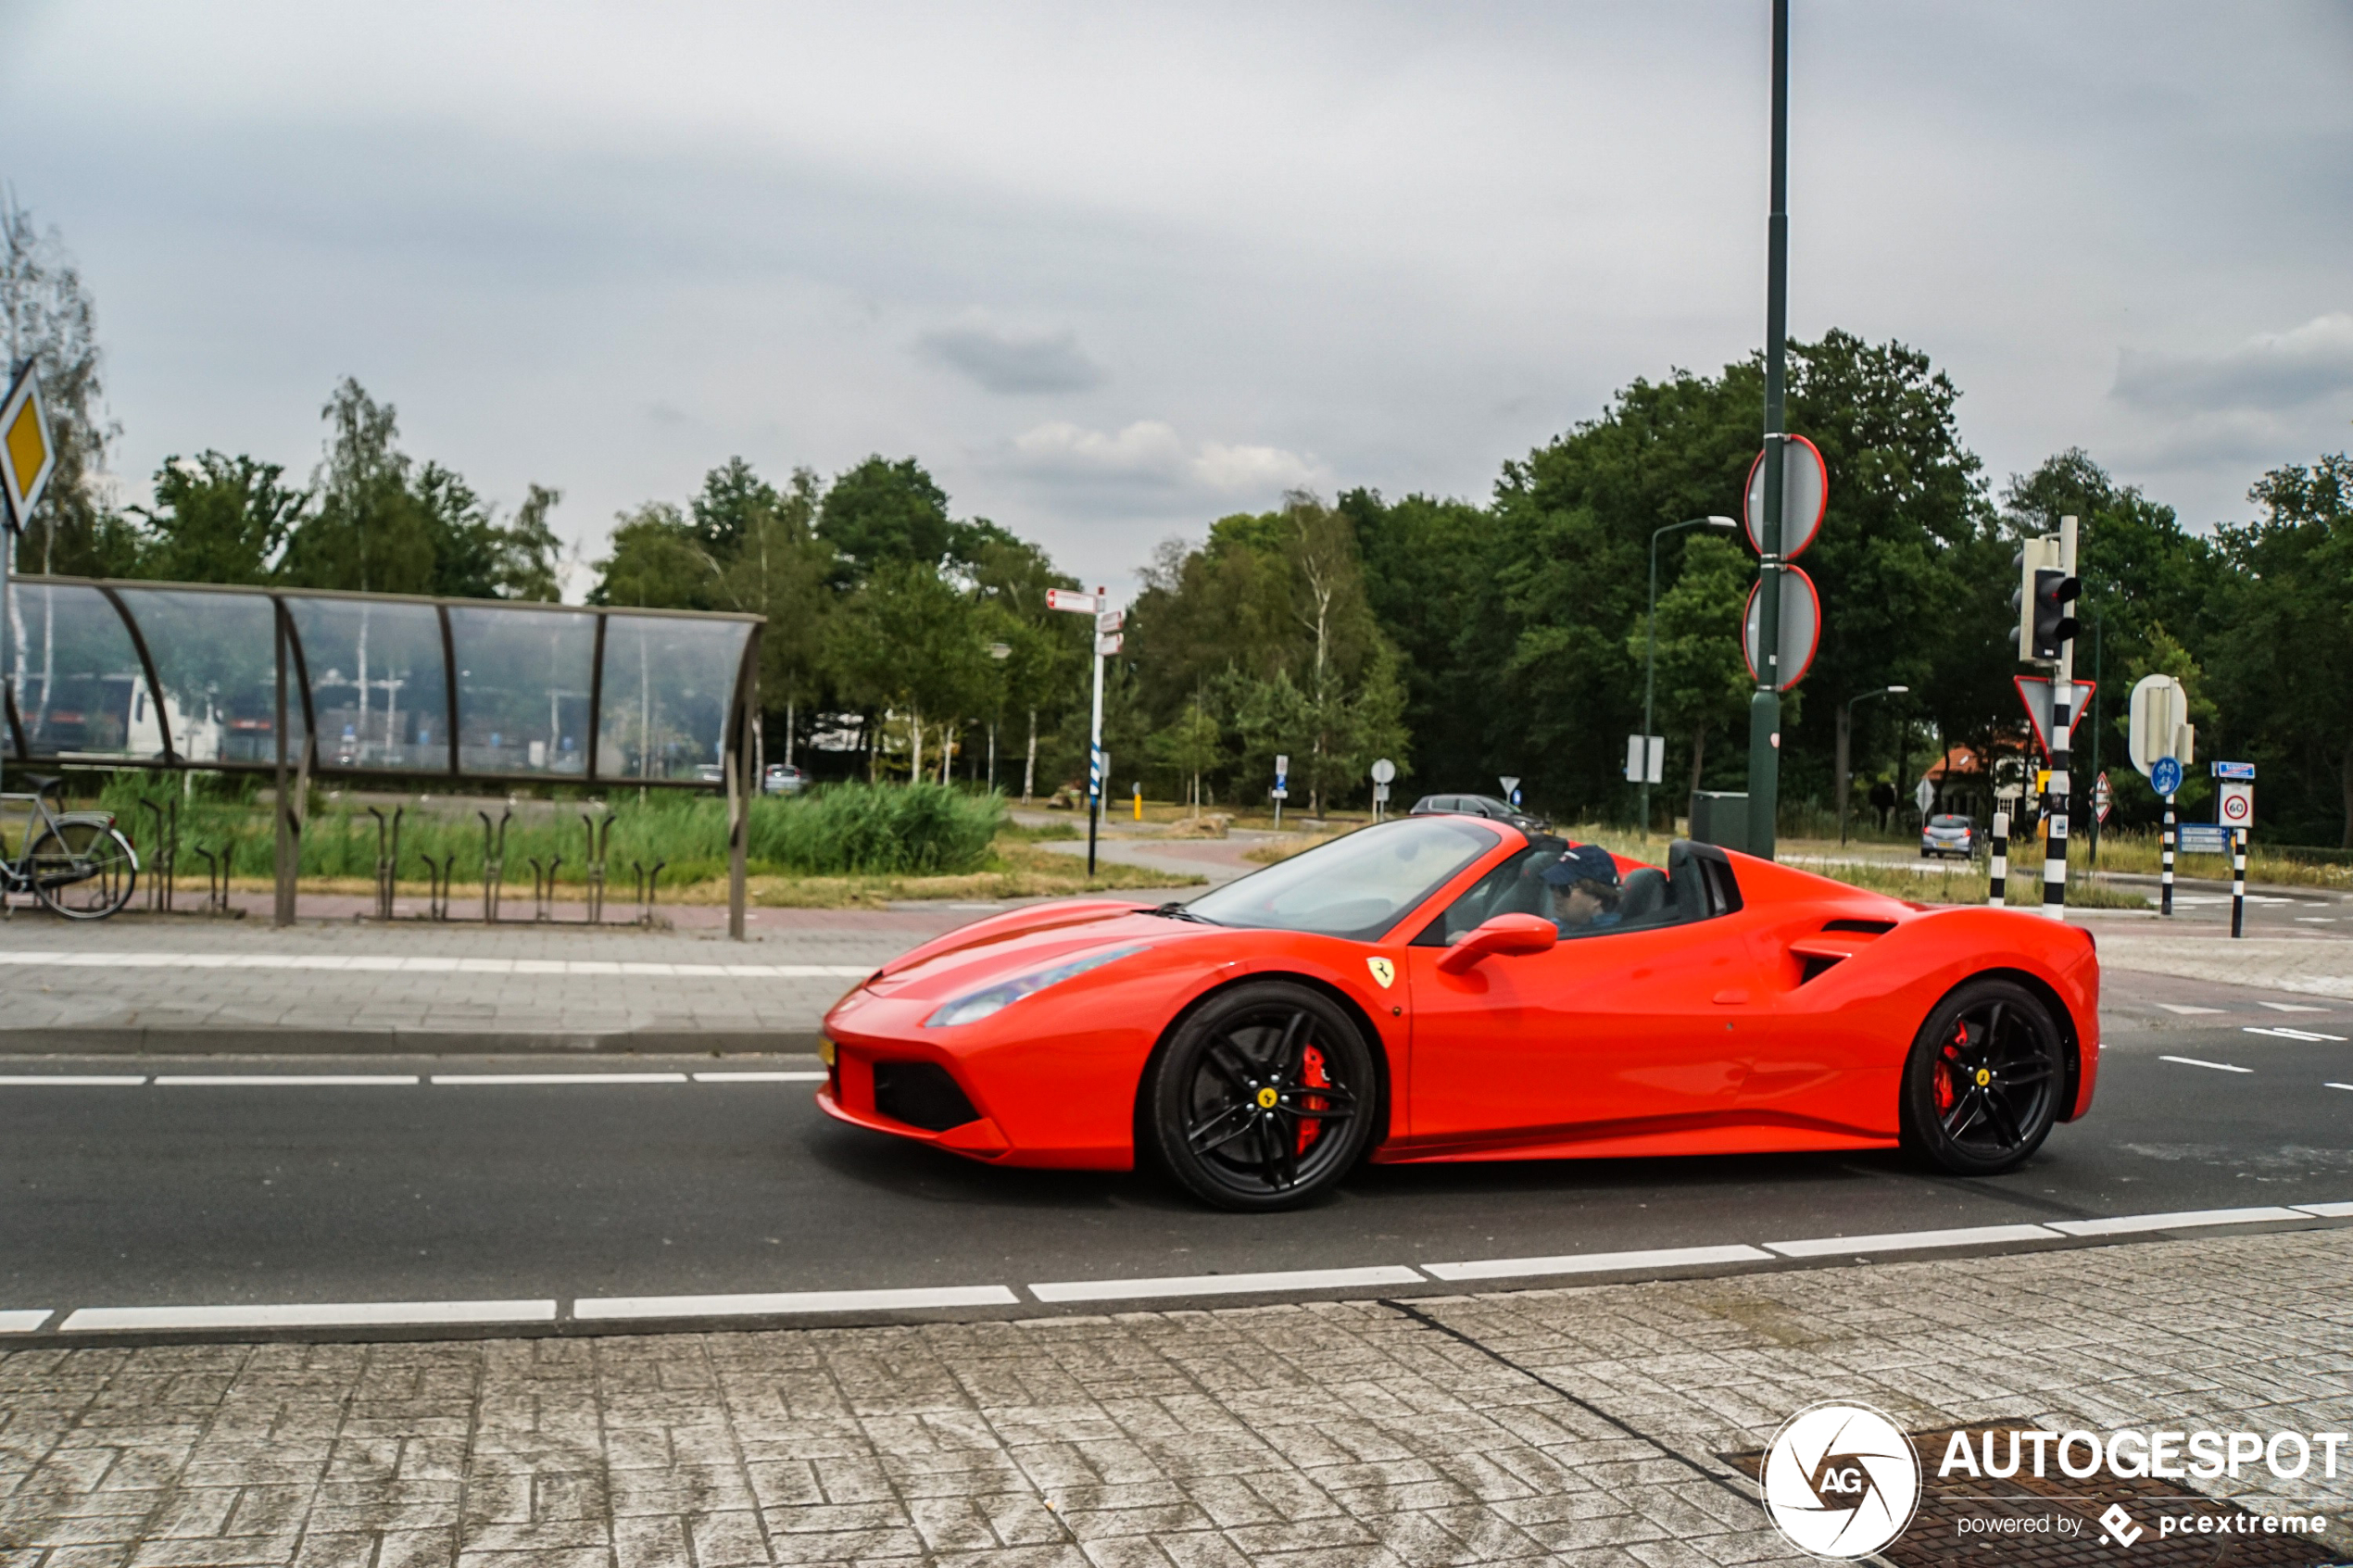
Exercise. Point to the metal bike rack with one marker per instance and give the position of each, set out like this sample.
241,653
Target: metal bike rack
164,862
387,857
647,881
437,885
543,889
217,869
494,864
599,840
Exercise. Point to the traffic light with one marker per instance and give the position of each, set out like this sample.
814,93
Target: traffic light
2044,599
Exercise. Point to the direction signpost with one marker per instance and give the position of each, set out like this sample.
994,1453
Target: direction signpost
2160,739
1384,774
1107,642
1282,787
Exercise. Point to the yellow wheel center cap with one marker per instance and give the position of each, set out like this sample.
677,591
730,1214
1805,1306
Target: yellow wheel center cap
1983,1077
1266,1099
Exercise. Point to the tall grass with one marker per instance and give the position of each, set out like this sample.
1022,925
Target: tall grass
851,829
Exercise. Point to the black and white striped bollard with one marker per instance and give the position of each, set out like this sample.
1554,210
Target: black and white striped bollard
1997,881
2165,877
2238,882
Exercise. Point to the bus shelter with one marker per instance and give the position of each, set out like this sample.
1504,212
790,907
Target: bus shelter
308,684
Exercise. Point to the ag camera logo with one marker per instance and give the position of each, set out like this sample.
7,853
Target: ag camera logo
1841,1480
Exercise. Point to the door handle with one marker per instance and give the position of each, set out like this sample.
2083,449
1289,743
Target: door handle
1731,999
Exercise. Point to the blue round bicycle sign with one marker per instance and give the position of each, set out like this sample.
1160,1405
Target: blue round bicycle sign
2165,776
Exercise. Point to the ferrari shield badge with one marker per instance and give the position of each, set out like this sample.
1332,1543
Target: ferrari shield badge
1383,970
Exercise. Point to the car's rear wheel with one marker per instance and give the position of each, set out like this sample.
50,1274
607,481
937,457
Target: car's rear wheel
1982,1087
1264,1099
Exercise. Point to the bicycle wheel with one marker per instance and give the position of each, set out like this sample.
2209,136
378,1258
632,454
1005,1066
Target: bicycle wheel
83,871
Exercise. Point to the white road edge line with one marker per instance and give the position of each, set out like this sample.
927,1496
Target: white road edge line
2217,1066
1593,1262
760,1077
2188,1218
284,1080
24,1320
513,1078
787,1303
2337,1086
2326,1211
1224,1285
1904,1241
317,1314
71,1081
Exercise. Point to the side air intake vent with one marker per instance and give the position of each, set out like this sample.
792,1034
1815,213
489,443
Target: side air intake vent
921,1094
1868,928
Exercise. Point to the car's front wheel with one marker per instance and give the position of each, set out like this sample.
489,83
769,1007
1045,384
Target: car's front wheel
1982,1087
1264,1099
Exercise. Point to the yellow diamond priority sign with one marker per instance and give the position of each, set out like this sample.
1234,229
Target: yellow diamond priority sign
27,455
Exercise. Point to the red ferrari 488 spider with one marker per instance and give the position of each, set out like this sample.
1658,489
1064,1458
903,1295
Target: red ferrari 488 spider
1445,987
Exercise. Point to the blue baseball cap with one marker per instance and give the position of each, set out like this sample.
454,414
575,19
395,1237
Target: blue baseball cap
1582,862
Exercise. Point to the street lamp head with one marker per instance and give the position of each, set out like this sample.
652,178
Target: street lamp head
1721,522
1001,650
1898,691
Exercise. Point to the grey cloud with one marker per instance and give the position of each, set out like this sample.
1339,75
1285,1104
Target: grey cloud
2270,373
1014,363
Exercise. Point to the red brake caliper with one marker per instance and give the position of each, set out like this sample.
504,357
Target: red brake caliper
1311,1074
1951,1056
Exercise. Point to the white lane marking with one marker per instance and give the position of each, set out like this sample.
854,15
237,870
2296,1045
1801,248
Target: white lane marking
788,1304
2188,1218
2217,1066
1222,1284
1905,1241
2185,1010
2337,1086
428,965
283,1080
309,1314
23,1320
2285,1032
760,1077
73,1081
2292,1006
2327,1211
1590,1262
2316,920
512,1078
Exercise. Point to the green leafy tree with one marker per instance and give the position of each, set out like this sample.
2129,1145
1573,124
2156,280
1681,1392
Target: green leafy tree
1703,684
656,563
906,644
217,518
2283,658
881,511
1191,747
368,532
48,318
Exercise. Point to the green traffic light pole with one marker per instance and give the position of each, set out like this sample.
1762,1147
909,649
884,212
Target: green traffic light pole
1650,660
1765,709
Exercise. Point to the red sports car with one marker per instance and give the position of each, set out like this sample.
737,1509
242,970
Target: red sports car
1447,987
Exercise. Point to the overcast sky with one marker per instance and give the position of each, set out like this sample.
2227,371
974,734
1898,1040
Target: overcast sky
1112,272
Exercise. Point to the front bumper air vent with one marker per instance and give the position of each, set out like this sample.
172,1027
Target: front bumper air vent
921,1094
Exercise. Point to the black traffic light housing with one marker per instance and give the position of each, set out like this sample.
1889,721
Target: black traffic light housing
2055,596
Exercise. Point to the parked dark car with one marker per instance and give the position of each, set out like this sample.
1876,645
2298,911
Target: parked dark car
1479,806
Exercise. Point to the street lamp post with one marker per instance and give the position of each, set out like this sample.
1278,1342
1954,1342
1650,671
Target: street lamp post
1846,730
1650,661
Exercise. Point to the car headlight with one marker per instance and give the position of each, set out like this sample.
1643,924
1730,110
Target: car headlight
974,1006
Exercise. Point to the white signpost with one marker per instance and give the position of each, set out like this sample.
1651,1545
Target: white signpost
1511,788
1645,757
2161,741
1384,773
1282,787
1924,798
1107,642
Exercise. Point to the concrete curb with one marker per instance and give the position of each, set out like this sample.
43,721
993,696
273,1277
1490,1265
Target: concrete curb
140,1040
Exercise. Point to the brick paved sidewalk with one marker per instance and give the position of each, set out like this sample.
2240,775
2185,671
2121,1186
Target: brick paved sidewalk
1337,1433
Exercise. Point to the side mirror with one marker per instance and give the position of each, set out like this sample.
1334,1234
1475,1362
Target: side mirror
1505,936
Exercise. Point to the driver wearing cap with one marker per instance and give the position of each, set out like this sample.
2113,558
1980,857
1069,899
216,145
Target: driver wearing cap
1584,887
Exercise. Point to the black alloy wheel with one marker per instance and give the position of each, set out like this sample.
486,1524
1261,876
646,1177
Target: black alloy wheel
1982,1087
1263,1100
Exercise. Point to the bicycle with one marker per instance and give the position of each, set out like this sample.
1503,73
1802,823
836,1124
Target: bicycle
77,863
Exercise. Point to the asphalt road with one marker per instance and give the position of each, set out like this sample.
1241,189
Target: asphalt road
163,1192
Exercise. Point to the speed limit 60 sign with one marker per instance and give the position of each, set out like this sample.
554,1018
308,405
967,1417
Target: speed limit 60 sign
2234,803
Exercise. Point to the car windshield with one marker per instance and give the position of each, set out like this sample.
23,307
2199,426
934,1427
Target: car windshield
1948,822
1357,887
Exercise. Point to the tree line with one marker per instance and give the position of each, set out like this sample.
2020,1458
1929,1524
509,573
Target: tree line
1463,639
